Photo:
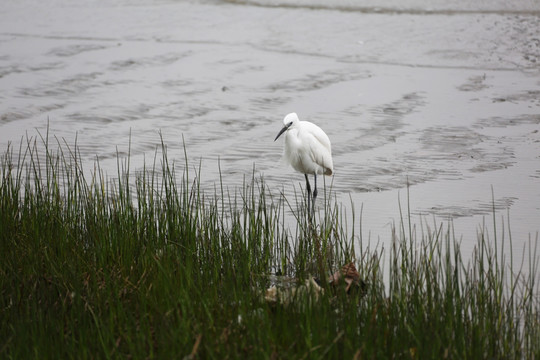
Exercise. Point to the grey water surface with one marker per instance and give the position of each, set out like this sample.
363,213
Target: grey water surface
441,95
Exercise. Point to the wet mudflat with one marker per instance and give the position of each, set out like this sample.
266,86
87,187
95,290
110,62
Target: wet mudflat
445,98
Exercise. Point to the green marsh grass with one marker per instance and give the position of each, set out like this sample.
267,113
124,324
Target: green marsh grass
148,265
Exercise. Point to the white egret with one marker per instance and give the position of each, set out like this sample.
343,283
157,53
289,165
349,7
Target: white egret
307,149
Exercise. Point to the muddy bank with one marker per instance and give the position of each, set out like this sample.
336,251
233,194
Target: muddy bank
441,96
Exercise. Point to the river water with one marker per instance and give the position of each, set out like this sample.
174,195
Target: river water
443,95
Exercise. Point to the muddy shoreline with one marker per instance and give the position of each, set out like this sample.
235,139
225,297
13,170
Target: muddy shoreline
446,103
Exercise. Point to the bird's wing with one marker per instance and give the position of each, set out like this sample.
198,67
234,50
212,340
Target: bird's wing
323,139
321,152
319,135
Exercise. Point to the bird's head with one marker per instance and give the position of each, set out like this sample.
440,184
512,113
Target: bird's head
289,121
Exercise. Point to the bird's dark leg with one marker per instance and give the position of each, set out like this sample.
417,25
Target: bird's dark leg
314,192
308,189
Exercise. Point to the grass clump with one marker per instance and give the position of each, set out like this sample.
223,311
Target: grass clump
147,265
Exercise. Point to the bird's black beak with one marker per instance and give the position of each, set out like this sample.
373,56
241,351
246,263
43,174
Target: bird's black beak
281,132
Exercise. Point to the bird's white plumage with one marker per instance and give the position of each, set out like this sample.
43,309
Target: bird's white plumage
307,147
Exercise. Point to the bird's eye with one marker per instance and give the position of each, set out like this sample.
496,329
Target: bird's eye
289,124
